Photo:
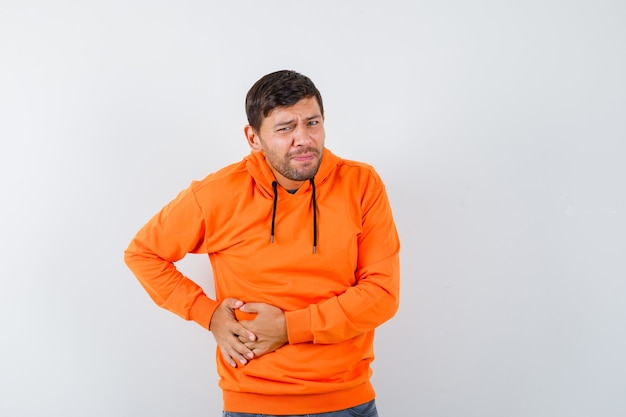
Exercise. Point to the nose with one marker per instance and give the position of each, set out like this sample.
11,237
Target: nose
301,136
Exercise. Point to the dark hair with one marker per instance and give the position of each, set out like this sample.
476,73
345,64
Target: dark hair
278,89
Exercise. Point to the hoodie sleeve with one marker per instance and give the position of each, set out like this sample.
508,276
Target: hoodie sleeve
176,230
375,297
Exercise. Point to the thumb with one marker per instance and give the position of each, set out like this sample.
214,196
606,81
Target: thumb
247,312
251,308
232,303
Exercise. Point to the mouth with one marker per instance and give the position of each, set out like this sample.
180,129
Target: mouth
305,156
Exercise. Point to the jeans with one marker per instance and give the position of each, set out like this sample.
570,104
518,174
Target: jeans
363,410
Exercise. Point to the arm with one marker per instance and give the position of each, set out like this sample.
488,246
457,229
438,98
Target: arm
176,230
375,297
360,309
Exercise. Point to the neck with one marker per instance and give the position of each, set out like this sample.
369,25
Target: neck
285,182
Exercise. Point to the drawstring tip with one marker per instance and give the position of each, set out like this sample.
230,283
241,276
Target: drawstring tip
272,239
314,250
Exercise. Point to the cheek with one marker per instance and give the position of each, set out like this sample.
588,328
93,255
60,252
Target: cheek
277,147
319,136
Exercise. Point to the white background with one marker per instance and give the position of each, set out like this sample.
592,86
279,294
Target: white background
499,128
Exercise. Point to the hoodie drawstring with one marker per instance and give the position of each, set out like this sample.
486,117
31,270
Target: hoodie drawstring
313,203
275,188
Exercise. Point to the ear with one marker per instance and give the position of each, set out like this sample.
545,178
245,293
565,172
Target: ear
253,139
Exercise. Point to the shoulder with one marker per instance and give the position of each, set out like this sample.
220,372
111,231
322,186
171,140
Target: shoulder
233,175
358,171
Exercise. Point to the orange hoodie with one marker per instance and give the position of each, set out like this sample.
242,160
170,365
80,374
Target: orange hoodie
333,297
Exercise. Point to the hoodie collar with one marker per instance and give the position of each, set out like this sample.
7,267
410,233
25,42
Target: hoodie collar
264,177
259,169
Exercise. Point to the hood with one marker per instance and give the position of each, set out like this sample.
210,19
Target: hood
260,170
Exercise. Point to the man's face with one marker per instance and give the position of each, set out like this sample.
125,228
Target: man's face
292,139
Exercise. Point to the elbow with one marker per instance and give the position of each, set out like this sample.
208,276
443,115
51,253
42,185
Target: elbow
130,257
393,307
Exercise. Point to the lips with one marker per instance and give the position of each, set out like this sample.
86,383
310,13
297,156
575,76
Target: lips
304,157
307,155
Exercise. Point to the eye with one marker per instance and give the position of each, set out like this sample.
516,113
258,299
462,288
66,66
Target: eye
284,129
313,122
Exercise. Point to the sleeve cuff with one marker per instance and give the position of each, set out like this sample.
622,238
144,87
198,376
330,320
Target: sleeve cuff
202,311
299,326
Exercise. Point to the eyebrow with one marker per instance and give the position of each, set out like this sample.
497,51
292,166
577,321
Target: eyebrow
284,123
291,121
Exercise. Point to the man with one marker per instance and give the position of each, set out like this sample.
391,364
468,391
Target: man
304,253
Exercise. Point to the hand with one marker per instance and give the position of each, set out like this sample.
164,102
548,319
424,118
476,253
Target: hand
269,326
230,334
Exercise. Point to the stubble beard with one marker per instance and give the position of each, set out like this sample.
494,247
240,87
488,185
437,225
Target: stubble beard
283,166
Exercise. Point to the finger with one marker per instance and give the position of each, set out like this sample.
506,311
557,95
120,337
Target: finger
256,348
235,351
243,333
238,349
241,315
227,357
247,341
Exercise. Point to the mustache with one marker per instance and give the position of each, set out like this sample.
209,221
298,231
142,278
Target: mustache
303,152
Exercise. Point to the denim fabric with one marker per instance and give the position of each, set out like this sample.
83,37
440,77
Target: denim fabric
363,410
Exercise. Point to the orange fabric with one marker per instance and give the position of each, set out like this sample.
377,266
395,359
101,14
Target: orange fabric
333,299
